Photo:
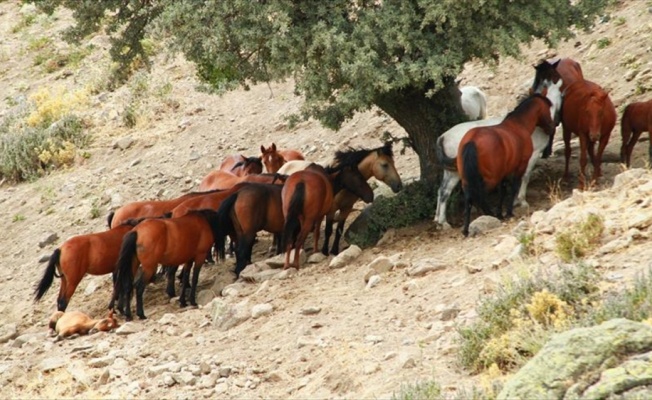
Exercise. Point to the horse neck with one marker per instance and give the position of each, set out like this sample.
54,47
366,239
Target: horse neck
528,119
366,166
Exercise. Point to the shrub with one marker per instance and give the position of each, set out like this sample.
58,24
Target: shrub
603,42
634,302
51,106
580,239
427,390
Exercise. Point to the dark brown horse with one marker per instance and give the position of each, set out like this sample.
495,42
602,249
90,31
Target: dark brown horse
175,241
493,156
637,118
95,254
222,180
240,165
308,197
589,113
274,159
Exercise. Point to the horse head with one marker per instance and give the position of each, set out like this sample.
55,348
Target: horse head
271,158
594,112
384,170
545,71
105,325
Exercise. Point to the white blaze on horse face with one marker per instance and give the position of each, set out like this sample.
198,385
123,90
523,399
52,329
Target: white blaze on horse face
553,93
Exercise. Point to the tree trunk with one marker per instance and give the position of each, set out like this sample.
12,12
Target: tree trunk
424,119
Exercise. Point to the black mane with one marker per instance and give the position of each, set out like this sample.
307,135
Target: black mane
523,105
353,157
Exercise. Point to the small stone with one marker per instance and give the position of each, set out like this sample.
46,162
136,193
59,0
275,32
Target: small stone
381,265
387,238
185,378
104,377
127,329
316,258
207,381
48,239
261,309
473,268
310,310
483,224
168,380
285,274
373,281
423,267
370,368
101,362
225,371
52,363
44,258
345,257
8,332
194,156
449,313
205,296
168,319
221,388
123,143
389,355
373,339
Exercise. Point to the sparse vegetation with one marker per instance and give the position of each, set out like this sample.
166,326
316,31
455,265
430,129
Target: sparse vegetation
428,390
25,21
577,241
18,218
603,42
620,21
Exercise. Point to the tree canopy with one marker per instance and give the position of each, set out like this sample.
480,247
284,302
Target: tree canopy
344,55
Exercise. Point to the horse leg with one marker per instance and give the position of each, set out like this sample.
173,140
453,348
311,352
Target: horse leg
597,166
301,240
516,185
567,151
583,162
339,230
71,285
279,244
649,150
501,199
143,279
522,191
328,230
315,234
467,213
195,281
62,303
594,161
171,272
243,253
209,256
186,276
548,150
448,183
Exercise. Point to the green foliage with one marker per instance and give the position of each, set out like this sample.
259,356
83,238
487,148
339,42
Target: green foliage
412,204
18,218
500,313
603,42
634,302
620,21
427,390
25,21
579,240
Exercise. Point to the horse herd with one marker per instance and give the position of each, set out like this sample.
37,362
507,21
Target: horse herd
294,196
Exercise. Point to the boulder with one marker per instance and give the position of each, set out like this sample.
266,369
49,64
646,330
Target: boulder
483,224
345,257
611,360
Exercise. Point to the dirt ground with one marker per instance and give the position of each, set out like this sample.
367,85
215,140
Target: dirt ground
363,343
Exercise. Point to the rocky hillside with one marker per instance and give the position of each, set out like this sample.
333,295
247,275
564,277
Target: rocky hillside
317,332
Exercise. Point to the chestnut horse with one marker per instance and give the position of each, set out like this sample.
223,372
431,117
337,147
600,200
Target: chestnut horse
274,159
65,324
308,196
589,113
175,241
566,69
240,165
637,118
492,156
94,253
222,180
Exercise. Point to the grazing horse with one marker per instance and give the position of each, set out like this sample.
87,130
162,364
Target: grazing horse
240,165
147,209
589,113
222,180
566,69
175,241
637,118
250,208
274,159
65,324
491,156
448,145
94,253
308,196
474,102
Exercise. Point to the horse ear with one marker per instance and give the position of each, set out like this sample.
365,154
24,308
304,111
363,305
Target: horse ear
273,147
262,149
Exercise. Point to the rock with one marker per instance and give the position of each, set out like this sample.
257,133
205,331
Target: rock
123,143
185,378
93,284
8,332
629,75
28,338
44,258
483,224
225,371
261,309
387,238
422,267
610,360
168,319
217,308
473,268
78,371
373,339
345,257
286,274
408,359
316,258
310,310
104,377
222,281
52,363
101,362
48,239
205,296
373,281
631,176
128,328
168,380
207,381
221,388
309,341
279,260
157,370
381,265
233,316
449,313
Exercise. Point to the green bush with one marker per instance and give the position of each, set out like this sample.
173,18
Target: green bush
579,240
633,303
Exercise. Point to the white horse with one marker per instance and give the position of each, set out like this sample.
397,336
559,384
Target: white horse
293,166
449,141
474,102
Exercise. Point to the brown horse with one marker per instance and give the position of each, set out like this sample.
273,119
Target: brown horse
491,156
147,209
65,324
308,196
637,118
222,180
240,165
566,69
94,253
274,159
589,113
184,240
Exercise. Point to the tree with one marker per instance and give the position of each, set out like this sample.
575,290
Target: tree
345,55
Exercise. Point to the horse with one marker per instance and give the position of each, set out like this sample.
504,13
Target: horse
240,165
65,324
448,144
274,159
474,102
175,241
222,180
94,253
250,208
637,118
491,156
589,113
308,196
291,167
566,69
147,209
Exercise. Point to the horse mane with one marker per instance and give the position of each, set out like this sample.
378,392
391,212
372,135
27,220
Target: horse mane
353,156
524,104
247,161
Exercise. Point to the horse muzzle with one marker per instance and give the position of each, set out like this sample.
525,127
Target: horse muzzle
396,186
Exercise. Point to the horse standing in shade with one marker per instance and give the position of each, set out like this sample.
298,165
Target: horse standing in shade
637,118
494,156
274,159
448,144
474,102
240,165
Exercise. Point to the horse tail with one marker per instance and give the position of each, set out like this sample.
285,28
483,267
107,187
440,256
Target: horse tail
471,174
444,160
48,276
124,280
625,133
292,224
109,218
225,223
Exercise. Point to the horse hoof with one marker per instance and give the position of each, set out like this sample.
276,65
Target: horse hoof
142,316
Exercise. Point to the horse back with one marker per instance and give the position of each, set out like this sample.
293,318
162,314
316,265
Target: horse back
259,207
291,155
570,71
638,116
